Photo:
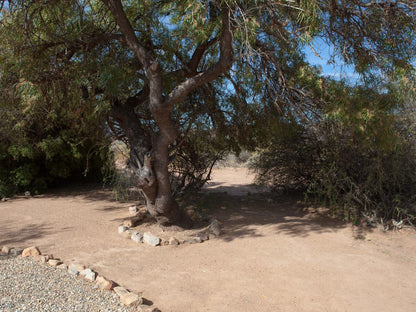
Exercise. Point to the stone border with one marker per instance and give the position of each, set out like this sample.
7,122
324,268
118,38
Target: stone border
126,297
138,215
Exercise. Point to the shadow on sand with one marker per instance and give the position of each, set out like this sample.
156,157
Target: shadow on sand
244,216
10,235
240,216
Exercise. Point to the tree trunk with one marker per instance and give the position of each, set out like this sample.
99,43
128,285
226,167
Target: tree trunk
150,156
149,160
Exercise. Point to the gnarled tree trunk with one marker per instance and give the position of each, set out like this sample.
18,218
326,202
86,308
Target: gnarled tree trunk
149,159
149,155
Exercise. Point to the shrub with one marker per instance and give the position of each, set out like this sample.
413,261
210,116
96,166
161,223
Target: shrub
358,159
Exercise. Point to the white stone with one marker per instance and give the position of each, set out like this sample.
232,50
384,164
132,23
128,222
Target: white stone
72,270
133,210
75,268
214,228
88,274
120,291
137,237
150,239
122,229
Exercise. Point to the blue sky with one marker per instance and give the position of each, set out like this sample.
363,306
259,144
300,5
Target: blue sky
337,69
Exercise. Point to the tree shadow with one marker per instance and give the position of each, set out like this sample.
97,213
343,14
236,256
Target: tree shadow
233,190
19,236
88,191
253,215
91,192
240,216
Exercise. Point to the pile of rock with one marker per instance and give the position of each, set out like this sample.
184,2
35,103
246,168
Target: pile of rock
127,297
126,229
147,237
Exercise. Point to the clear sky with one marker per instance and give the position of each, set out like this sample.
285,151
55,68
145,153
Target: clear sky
336,69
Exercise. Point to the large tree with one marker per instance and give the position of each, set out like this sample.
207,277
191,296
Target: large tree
161,69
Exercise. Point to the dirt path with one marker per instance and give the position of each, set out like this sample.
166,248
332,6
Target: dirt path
274,255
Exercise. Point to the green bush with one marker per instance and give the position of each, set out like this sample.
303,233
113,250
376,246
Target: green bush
358,159
44,145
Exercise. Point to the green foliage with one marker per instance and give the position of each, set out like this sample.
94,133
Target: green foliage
37,162
47,138
358,157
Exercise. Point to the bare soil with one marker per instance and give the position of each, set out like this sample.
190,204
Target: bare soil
275,254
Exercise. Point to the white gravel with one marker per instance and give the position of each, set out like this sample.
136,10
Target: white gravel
28,285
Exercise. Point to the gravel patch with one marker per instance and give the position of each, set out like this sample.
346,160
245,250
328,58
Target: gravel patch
27,285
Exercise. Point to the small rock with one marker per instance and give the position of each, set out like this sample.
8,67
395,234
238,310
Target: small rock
85,272
16,251
137,237
6,249
27,194
62,266
131,299
54,262
133,210
214,228
72,270
42,258
173,241
120,291
203,236
75,268
30,252
122,229
88,274
103,283
194,240
150,239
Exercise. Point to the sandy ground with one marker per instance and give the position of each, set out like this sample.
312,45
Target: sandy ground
275,254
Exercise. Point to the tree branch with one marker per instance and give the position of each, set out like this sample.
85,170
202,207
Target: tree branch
224,63
117,10
198,54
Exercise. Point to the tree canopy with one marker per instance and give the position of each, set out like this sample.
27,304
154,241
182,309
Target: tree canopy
162,71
